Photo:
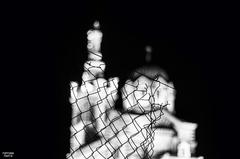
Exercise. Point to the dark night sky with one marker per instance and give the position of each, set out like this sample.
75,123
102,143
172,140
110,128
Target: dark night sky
45,44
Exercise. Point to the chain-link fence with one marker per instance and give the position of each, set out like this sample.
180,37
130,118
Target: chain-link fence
100,131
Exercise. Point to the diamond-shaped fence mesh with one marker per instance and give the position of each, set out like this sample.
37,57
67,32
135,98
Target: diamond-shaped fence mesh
100,131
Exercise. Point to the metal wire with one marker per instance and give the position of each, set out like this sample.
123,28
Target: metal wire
112,134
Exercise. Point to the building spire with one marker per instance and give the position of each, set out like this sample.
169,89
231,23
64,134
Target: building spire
94,37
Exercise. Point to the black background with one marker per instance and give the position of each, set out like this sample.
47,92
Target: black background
44,47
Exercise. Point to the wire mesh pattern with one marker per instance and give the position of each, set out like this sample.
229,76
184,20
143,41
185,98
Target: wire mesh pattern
98,130
118,134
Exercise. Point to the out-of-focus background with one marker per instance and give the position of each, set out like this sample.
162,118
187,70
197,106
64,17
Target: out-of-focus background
45,45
